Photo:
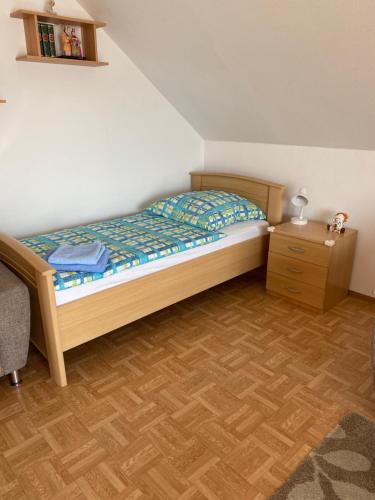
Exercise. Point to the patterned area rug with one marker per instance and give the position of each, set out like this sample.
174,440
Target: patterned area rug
342,467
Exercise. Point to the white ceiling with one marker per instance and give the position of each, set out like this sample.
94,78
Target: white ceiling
275,71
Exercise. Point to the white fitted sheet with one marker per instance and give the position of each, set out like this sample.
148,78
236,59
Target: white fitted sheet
236,233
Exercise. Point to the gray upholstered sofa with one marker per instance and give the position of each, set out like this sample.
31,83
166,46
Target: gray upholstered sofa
14,324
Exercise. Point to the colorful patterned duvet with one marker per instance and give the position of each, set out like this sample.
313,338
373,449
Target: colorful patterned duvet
132,241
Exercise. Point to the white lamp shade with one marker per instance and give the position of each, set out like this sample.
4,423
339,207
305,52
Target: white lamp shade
300,199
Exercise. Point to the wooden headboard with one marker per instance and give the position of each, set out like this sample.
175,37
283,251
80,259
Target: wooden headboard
267,195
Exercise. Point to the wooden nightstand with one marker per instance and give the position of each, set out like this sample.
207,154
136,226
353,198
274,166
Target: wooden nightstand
302,268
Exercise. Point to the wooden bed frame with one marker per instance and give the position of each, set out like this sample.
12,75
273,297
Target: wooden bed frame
56,329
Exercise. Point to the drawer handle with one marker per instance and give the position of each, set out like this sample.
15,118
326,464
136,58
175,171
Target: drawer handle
293,290
294,270
297,249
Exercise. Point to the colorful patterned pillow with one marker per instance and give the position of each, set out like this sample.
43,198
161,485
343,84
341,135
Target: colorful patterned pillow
210,210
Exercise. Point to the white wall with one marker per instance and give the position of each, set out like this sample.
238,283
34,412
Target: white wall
80,144
336,179
269,71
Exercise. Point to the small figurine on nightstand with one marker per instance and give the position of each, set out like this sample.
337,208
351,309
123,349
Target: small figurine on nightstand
338,221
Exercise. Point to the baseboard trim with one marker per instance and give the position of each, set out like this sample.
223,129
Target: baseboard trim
362,296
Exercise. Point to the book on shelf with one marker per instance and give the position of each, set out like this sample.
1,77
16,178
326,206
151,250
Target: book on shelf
45,39
41,39
51,36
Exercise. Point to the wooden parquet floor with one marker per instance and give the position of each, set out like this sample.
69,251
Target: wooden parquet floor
217,397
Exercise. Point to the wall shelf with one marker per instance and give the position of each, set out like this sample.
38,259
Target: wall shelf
88,30
58,60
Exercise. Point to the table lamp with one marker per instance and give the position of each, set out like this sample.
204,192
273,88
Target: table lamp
300,200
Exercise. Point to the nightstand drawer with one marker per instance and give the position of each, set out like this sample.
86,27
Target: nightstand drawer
296,290
298,270
300,249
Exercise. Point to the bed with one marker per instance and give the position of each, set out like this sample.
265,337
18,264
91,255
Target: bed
61,322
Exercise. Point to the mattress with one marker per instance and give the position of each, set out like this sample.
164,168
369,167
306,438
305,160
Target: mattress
235,233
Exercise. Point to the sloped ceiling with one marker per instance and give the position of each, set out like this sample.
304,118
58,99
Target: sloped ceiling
296,72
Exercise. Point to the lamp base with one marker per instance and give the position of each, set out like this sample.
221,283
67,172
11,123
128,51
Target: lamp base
299,221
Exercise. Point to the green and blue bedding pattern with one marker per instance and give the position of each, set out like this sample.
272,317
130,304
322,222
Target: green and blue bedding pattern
210,210
132,240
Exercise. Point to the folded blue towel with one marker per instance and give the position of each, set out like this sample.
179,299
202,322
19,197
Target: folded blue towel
83,268
87,254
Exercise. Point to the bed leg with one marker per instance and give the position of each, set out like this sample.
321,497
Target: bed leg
48,309
57,368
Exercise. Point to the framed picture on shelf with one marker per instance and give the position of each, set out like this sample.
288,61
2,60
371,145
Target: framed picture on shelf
69,42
